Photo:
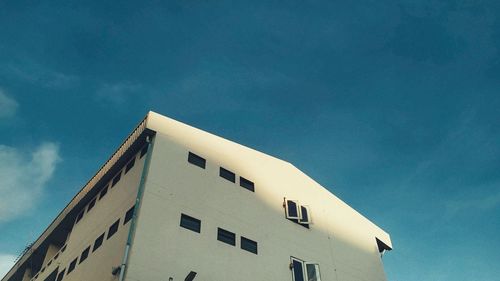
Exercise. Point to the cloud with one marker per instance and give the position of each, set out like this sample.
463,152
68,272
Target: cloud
117,93
6,263
8,106
22,179
473,203
37,74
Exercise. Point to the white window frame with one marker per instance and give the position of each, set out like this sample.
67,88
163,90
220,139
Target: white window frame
309,220
303,268
297,209
317,270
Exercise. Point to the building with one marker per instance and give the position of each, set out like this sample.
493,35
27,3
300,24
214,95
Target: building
177,203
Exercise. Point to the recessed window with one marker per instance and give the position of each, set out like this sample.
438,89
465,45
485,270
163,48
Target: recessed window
113,229
103,192
247,184
72,266
85,254
129,165
91,204
197,160
292,209
116,179
190,223
297,270
248,245
226,236
98,242
304,215
228,175
144,151
129,215
61,275
79,217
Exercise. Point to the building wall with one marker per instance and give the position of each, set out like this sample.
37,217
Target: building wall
340,239
111,207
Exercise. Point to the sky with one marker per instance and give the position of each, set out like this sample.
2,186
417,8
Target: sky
391,105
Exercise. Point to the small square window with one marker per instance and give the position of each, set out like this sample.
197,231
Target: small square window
113,229
72,265
129,215
91,204
226,236
247,184
228,175
248,245
98,242
103,192
190,223
61,275
85,254
116,179
130,165
144,151
79,217
197,160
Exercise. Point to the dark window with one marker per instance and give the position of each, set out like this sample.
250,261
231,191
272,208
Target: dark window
61,275
91,204
129,215
52,276
247,184
304,215
63,248
144,151
116,179
228,175
49,263
79,217
72,265
248,245
113,229
197,160
226,236
98,242
85,254
298,270
103,192
190,223
56,256
129,165
292,211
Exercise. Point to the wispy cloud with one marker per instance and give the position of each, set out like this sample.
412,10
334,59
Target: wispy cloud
23,178
117,93
6,262
8,106
474,202
34,73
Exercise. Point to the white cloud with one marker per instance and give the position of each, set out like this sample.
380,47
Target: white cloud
117,93
6,262
8,106
22,178
34,73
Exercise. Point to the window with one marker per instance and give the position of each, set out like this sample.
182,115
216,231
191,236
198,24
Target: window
292,209
103,192
144,151
228,175
302,271
190,223
63,248
197,160
98,242
79,217
113,229
61,275
129,215
226,236
72,266
116,179
130,165
56,256
304,215
247,184
248,245
85,254
91,204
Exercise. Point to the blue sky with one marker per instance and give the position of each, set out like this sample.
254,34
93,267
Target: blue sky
392,105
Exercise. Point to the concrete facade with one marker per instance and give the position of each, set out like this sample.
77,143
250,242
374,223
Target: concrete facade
164,185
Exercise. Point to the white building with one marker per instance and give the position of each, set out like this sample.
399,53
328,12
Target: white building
206,209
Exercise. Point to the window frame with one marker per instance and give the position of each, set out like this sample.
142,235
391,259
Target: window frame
317,270
222,233
297,208
188,218
308,212
227,174
292,266
247,184
246,241
196,160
